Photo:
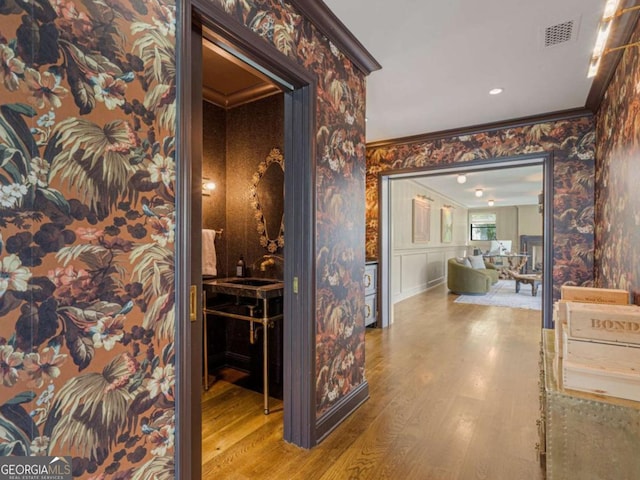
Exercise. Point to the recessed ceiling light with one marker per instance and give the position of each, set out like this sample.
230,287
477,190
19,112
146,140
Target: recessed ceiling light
479,192
462,178
496,91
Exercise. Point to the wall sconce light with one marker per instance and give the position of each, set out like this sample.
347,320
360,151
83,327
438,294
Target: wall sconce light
208,186
479,192
462,178
490,203
424,198
611,12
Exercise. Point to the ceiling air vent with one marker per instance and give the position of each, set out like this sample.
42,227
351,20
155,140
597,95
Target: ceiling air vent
560,33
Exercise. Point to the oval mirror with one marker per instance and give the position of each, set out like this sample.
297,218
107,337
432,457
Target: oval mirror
267,193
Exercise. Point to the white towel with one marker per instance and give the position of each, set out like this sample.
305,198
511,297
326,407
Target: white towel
209,252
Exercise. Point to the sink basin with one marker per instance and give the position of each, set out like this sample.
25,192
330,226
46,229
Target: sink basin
254,282
246,287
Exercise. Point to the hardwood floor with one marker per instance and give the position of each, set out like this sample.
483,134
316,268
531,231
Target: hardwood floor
454,395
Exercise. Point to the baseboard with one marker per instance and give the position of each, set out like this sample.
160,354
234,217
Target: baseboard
341,410
418,290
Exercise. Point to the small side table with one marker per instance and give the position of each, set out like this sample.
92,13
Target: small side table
532,279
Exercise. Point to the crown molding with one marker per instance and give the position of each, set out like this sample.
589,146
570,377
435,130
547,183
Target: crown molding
241,97
326,21
486,127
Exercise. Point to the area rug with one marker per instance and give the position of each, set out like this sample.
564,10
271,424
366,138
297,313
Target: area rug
503,294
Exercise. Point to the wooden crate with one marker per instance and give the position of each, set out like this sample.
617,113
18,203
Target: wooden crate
608,296
617,357
608,323
603,368
560,321
600,381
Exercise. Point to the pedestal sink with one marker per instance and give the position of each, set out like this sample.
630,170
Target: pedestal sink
251,287
261,291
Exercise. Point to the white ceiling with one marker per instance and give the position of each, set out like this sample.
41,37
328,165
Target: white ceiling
440,59
506,186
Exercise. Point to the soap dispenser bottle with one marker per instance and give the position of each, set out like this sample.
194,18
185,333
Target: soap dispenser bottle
240,267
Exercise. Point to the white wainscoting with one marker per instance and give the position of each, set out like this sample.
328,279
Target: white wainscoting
415,271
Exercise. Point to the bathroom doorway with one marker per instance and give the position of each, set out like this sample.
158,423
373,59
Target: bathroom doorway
243,166
297,104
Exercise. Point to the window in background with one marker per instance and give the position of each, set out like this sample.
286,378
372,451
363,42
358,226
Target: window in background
483,226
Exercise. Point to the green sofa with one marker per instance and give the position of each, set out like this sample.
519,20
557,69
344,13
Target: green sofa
464,280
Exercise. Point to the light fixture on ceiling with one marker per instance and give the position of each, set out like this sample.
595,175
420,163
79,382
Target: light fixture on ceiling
496,91
611,12
462,178
479,192
490,203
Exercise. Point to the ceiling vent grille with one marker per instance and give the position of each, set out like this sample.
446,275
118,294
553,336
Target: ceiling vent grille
560,33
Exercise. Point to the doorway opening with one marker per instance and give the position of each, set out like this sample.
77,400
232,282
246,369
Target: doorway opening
243,246
293,93
389,266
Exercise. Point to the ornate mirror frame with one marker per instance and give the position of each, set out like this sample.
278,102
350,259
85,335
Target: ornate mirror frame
271,244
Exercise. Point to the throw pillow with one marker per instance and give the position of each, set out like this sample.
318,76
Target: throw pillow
467,263
477,262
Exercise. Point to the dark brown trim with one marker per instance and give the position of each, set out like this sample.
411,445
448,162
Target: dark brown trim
548,234
345,407
623,28
188,456
220,26
299,89
332,27
300,307
487,127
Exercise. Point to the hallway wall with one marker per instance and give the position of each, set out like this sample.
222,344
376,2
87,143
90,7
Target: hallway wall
617,178
572,143
340,172
87,215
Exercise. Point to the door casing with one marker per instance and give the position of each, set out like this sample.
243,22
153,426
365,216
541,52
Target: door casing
195,18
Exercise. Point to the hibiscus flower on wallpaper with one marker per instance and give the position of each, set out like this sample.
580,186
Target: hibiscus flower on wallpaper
87,152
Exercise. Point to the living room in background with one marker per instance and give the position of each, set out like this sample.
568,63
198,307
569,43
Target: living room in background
397,260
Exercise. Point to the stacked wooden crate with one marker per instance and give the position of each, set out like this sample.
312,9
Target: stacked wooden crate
598,342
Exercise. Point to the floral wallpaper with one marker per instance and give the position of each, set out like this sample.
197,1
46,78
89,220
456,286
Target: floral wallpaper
618,176
340,173
87,153
87,178
572,144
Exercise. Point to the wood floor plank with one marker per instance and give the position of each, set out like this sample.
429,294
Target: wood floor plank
453,396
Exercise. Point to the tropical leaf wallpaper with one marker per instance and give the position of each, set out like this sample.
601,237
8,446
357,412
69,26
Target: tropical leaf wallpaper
572,142
340,172
87,178
87,195
618,177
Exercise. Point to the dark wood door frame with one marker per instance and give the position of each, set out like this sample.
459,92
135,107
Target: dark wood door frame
299,275
545,159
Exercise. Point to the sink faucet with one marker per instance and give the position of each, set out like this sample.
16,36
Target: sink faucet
268,263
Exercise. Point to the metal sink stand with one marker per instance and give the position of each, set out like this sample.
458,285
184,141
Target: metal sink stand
265,321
